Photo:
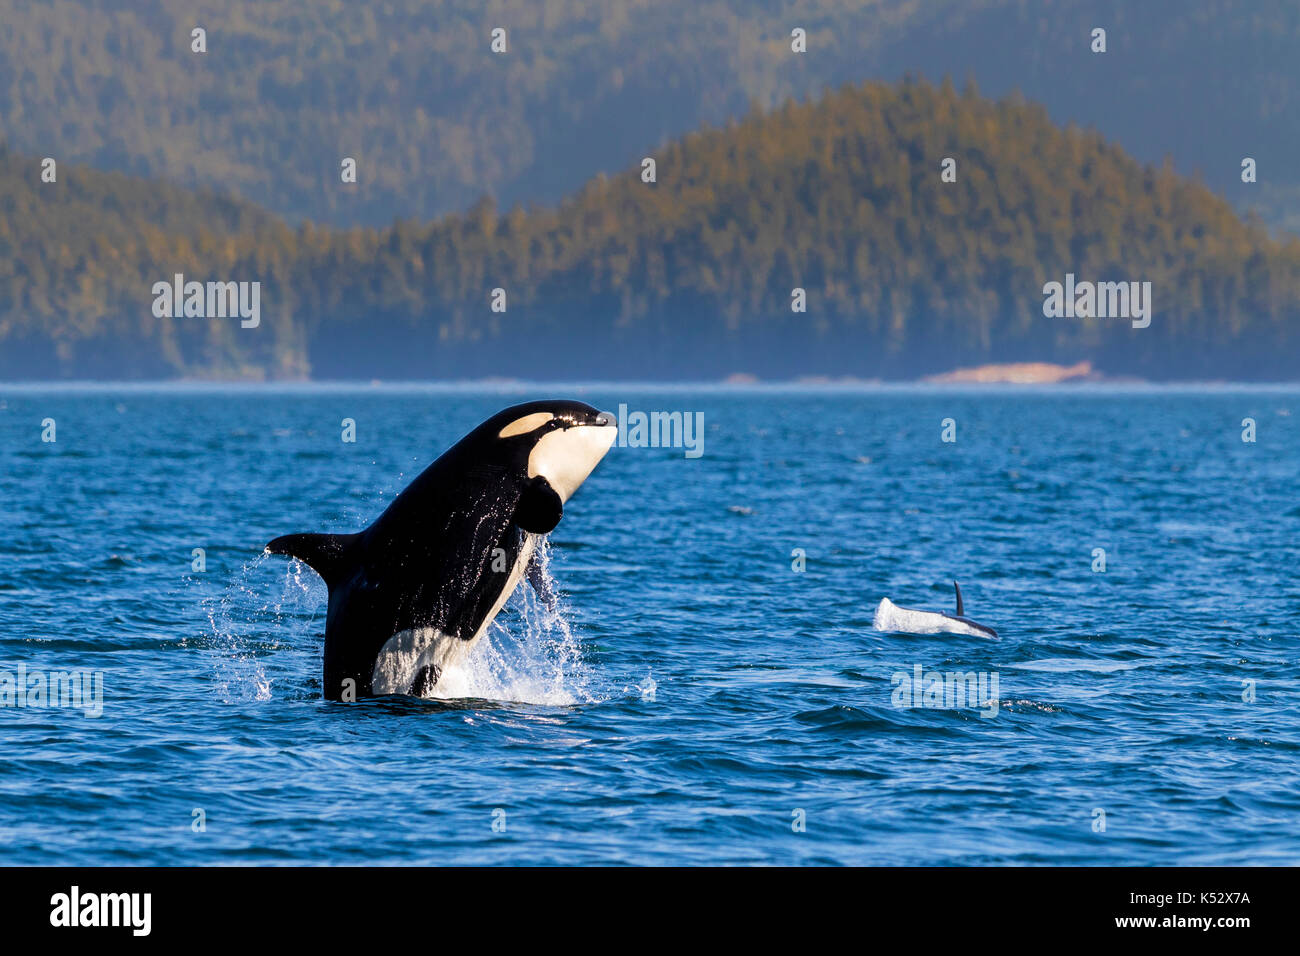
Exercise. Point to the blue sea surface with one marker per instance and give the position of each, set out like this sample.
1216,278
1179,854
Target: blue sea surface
712,690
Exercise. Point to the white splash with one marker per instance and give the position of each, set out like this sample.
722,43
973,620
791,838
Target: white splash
244,626
529,654
647,689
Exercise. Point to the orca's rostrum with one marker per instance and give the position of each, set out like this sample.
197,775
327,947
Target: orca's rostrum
410,594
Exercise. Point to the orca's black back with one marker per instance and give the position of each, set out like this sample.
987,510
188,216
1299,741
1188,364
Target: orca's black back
437,558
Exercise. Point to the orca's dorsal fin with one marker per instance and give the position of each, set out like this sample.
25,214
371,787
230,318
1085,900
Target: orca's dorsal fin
329,555
961,611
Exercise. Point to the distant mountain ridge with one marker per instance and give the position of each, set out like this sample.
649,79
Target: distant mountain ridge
412,91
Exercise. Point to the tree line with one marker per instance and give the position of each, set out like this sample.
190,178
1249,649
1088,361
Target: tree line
693,275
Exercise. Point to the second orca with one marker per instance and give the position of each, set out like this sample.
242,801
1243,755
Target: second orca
906,620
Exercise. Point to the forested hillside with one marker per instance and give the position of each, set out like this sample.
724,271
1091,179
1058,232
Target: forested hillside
412,91
78,257
687,277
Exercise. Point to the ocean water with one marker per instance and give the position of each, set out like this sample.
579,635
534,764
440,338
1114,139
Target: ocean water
711,690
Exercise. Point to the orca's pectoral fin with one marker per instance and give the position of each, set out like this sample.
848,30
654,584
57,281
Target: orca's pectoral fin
329,555
541,582
961,611
540,508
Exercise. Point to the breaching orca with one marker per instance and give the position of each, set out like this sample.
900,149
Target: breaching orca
906,620
410,594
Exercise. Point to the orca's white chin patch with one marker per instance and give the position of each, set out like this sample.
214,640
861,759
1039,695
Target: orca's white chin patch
565,457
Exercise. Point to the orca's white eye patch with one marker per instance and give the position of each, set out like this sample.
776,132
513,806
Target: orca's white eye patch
522,426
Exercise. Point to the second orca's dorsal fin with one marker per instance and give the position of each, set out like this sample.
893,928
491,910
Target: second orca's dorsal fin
329,555
961,611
